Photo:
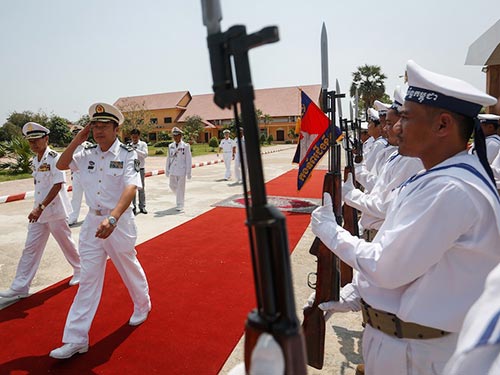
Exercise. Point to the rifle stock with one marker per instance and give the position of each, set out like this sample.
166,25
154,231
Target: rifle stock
327,274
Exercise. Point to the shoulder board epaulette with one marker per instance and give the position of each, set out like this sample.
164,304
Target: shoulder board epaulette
53,154
126,147
90,145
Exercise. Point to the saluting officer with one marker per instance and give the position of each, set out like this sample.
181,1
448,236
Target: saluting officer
110,176
428,263
228,149
48,216
178,167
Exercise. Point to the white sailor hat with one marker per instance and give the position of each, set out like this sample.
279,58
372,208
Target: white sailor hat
437,90
226,131
382,108
489,118
399,99
32,130
104,112
176,131
373,115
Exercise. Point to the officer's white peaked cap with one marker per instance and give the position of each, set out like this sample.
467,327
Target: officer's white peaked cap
105,112
33,130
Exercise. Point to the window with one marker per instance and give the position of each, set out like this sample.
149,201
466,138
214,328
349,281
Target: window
154,120
167,120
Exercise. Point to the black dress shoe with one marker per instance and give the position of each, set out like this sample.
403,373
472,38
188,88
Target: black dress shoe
143,211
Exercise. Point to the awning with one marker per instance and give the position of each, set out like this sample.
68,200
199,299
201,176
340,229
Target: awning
486,49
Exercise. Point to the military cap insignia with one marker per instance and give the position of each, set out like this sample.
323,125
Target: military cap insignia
99,108
137,165
30,127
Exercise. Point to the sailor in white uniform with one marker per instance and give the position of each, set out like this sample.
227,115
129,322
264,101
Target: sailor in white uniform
109,172
178,167
439,241
48,216
240,159
228,149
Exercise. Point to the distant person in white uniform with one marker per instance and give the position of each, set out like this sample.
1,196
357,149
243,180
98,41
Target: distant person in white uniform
228,149
429,261
48,216
238,158
489,124
141,148
178,167
77,189
110,177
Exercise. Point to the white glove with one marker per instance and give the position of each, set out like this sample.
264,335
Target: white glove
310,300
347,186
323,223
349,300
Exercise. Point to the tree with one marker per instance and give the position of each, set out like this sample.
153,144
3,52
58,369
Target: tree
214,143
60,134
292,134
9,131
192,128
18,155
369,80
136,116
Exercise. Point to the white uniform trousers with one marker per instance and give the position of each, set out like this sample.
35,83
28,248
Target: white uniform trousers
228,156
237,168
119,246
178,185
76,197
38,234
383,354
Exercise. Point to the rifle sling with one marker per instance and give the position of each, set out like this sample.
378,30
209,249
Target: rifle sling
391,325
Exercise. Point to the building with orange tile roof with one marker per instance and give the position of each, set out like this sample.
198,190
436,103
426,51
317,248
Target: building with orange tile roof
280,107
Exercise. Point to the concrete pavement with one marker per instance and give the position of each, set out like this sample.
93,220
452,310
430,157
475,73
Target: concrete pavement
206,188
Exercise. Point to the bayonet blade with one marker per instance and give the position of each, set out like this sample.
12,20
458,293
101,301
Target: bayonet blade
351,115
212,15
324,58
339,101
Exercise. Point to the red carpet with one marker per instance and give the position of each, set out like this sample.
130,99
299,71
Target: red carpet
201,289
286,185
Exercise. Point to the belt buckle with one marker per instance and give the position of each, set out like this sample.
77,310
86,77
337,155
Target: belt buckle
98,212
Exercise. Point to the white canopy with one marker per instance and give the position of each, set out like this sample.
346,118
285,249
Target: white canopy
486,49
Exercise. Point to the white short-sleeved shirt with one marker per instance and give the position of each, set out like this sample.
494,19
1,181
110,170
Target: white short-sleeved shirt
46,175
104,175
227,145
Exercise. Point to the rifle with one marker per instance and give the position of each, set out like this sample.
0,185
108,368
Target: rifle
357,121
350,214
327,284
275,312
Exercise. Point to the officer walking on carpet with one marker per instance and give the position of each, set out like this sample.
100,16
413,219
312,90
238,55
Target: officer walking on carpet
77,188
178,167
429,261
141,148
228,149
110,176
48,216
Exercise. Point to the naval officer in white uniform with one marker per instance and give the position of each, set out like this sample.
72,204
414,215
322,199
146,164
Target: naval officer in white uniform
228,149
109,172
48,216
178,167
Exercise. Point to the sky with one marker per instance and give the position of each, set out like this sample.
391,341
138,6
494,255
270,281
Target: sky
60,56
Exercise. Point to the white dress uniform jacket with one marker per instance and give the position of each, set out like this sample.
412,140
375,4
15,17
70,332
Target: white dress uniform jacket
77,189
364,168
429,261
238,158
227,146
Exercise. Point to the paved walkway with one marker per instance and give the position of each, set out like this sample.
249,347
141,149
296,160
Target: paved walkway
206,188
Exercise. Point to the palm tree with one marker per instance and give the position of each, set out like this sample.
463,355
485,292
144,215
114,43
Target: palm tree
369,80
18,156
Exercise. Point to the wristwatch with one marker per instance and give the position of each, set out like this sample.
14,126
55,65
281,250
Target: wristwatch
41,206
112,220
